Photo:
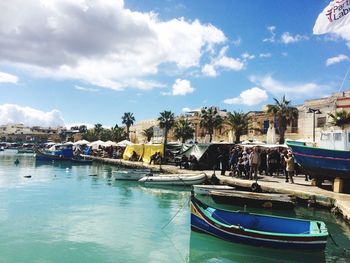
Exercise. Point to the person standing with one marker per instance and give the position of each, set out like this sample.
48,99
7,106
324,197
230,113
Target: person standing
254,164
290,167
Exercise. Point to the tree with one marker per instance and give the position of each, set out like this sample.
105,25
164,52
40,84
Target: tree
166,122
148,133
339,118
98,129
183,130
210,120
284,114
118,133
128,119
90,135
82,128
238,122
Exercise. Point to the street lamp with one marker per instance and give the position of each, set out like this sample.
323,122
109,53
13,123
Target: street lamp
313,111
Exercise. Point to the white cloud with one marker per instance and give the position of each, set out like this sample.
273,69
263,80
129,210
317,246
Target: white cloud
288,38
222,62
271,39
265,55
249,97
11,113
344,33
181,87
247,56
293,90
54,39
8,78
85,89
336,59
186,109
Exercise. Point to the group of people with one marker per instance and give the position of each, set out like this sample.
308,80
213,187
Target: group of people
250,162
188,162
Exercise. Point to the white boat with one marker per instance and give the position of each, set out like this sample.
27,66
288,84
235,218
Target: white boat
174,179
133,175
205,189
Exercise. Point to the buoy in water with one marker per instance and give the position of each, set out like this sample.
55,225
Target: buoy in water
27,176
16,162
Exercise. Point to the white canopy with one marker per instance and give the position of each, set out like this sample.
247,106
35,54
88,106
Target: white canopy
110,143
124,143
68,143
81,142
96,144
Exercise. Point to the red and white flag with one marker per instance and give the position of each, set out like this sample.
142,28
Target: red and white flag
334,17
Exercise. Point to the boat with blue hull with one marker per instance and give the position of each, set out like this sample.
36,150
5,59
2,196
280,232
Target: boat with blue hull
321,162
257,229
61,155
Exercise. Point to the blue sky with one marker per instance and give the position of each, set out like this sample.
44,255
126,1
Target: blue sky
67,62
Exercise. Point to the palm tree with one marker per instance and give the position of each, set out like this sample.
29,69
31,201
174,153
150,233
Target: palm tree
98,129
284,113
118,133
340,118
210,120
148,133
128,119
238,122
166,121
183,130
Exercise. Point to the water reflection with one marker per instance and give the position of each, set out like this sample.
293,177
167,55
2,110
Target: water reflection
205,248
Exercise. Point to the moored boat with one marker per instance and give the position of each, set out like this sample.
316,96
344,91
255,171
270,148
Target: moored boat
252,199
132,175
174,179
202,189
321,162
257,229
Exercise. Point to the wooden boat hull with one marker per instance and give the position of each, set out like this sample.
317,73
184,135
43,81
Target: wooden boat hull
179,179
42,156
247,228
205,189
251,199
324,163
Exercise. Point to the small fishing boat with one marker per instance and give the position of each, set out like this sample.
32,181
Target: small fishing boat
258,229
174,179
25,150
252,199
202,189
131,175
80,160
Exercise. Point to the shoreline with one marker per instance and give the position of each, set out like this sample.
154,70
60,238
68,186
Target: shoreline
338,203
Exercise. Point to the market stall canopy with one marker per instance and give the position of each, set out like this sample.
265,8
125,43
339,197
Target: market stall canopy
124,143
110,143
97,144
81,142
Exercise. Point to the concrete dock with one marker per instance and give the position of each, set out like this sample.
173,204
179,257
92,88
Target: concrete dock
339,203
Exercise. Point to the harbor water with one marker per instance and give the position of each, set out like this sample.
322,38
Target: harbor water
59,212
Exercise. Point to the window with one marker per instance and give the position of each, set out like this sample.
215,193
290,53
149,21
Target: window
325,136
321,122
337,136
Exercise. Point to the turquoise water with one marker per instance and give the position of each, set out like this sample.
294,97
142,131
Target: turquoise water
78,213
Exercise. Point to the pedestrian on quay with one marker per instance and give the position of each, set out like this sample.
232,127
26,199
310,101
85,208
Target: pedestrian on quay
254,159
290,167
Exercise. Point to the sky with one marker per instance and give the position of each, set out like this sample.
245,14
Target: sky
68,62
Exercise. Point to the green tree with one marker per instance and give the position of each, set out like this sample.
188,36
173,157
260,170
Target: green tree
210,120
90,135
238,122
128,119
284,114
166,122
339,118
98,129
82,128
148,133
183,130
118,133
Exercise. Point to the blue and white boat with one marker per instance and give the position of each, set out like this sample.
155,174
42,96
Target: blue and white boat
257,229
328,161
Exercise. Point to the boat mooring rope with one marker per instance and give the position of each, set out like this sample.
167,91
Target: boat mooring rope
177,212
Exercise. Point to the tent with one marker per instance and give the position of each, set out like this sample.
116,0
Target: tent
150,149
81,142
124,143
110,143
138,148
97,144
